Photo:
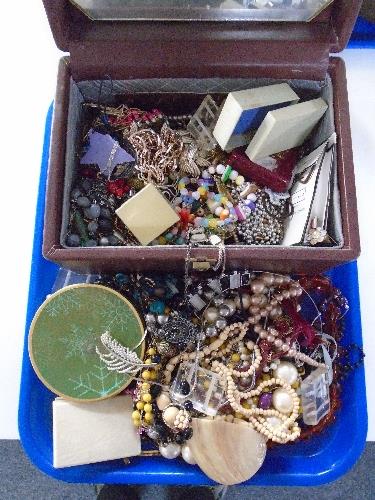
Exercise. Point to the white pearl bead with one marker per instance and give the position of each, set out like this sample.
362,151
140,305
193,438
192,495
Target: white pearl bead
252,197
211,314
233,175
187,455
170,414
218,211
163,401
286,371
231,305
220,168
246,301
211,170
170,451
282,401
274,421
257,287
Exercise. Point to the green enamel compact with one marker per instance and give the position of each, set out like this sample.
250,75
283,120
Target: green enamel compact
65,333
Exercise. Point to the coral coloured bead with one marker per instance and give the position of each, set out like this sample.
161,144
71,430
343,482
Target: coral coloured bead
118,187
224,214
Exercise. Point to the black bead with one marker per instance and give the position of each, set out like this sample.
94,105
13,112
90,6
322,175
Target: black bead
179,438
155,390
105,226
184,388
162,431
188,405
187,433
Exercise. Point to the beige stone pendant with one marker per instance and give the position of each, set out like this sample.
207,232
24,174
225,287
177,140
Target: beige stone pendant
229,453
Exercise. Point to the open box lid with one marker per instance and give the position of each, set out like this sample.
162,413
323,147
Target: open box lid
201,38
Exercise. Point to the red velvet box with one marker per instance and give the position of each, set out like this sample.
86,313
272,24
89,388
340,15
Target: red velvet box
278,178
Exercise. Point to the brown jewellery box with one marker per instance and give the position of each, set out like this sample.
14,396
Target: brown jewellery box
169,55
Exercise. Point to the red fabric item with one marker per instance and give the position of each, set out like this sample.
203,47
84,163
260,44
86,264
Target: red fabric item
278,179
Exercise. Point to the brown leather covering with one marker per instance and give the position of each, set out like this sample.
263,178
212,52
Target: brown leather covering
136,49
288,259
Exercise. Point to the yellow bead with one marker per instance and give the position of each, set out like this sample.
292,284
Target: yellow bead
154,375
212,223
139,405
146,375
136,415
162,240
148,361
201,190
295,385
137,423
148,418
246,405
147,408
151,351
224,200
146,398
145,386
266,377
238,415
236,357
255,399
206,384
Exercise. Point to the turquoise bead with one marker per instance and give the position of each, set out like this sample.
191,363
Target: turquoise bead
157,307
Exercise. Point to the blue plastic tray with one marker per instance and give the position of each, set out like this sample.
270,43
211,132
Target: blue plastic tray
363,36
319,460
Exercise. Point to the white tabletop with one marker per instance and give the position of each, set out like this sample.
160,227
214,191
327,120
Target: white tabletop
27,89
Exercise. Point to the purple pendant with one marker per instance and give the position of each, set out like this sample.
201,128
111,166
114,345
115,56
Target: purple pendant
105,152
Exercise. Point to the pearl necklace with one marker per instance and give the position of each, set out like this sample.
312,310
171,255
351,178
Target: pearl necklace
270,334
281,434
238,329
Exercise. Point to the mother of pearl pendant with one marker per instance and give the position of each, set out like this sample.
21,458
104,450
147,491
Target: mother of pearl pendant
228,453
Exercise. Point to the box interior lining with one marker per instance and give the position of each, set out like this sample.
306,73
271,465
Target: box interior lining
186,97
